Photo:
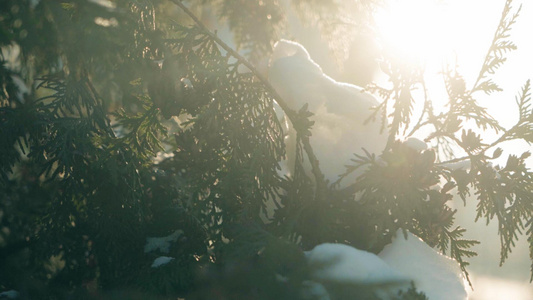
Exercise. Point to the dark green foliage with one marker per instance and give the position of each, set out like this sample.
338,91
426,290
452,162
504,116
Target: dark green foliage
412,294
94,159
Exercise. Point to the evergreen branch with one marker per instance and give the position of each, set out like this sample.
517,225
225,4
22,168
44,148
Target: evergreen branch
522,129
530,240
493,58
290,113
524,101
235,54
459,248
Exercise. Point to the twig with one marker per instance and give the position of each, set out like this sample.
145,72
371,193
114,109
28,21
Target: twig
270,89
425,110
497,36
455,160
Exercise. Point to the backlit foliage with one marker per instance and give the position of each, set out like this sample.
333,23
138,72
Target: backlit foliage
135,125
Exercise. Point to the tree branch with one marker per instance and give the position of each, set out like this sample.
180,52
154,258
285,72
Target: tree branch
319,177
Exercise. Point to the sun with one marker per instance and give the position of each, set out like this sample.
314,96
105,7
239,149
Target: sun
418,31
437,32
437,35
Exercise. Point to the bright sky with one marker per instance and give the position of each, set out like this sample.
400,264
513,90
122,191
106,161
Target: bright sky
441,32
462,30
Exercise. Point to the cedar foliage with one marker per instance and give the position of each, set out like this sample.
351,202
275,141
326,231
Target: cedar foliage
91,165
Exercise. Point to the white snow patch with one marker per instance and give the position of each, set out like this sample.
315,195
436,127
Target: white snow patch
22,88
402,261
161,243
339,111
460,165
106,22
416,144
187,84
436,187
438,276
161,260
345,264
104,3
314,290
11,294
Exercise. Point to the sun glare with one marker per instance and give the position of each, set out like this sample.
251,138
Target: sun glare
432,32
437,34
419,31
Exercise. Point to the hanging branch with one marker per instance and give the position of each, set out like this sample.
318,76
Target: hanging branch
494,58
288,111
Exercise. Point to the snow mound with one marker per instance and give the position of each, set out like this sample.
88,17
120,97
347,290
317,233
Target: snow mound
438,276
340,111
416,144
344,264
403,261
314,290
161,243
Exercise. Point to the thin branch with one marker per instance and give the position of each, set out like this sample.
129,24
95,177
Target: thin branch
455,160
425,110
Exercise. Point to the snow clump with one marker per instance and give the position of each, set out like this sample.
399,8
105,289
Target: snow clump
161,260
407,259
161,243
